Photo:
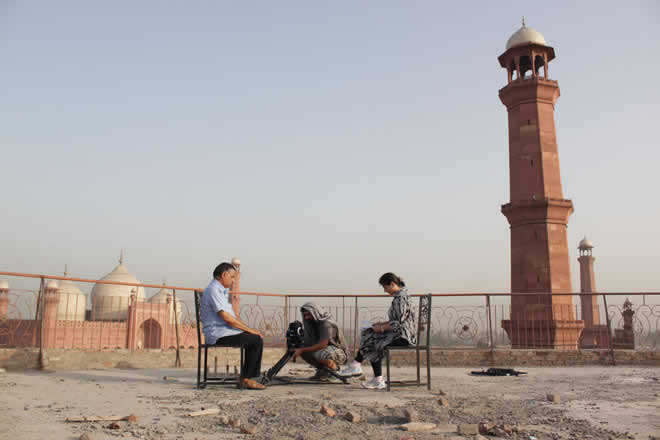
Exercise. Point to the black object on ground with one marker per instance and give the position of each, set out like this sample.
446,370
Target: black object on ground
498,372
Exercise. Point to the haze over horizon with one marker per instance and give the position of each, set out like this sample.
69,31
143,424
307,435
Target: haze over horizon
322,144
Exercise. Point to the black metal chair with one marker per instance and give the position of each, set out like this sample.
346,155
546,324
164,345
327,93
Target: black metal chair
423,331
211,380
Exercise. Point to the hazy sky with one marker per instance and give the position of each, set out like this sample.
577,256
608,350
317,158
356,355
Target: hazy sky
323,143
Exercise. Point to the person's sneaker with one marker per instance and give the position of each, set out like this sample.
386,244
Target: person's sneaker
320,375
350,371
331,379
374,384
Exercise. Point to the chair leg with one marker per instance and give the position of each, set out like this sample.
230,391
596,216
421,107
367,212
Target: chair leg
206,354
199,364
418,378
428,368
240,371
387,367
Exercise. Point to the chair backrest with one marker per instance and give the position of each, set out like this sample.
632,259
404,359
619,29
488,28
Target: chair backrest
424,320
198,299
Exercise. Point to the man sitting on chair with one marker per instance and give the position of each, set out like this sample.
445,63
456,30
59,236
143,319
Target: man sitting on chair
221,326
324,342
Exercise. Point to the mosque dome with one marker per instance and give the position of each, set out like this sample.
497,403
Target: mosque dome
525,35
585,243
72,303
110,301
52,284
162,297
4,285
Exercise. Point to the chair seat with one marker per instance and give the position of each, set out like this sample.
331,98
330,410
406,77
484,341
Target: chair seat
222,345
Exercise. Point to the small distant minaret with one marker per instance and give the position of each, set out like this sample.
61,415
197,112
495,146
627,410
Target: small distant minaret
590,314
4,299
235,299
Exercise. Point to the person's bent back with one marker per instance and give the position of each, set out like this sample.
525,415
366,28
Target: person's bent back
324,342
221,326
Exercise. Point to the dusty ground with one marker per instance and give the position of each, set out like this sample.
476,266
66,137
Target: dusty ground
595,403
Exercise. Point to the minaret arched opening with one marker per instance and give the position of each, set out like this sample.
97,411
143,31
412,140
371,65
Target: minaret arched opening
526,67
513,71
540,67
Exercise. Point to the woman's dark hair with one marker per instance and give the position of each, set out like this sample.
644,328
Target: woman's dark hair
388,278
222,268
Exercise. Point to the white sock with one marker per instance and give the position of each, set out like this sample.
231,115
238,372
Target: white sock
379,379
355,364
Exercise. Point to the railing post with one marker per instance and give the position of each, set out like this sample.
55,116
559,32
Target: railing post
343,315
491,341
177,361
40,314
609,330
286,315
356,343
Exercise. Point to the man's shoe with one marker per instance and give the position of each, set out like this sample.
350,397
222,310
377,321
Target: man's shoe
374,384
351,371
252,384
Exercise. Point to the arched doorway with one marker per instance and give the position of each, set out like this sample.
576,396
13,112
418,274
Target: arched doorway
150,334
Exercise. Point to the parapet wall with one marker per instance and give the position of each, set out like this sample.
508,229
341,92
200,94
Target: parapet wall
536,358
27,358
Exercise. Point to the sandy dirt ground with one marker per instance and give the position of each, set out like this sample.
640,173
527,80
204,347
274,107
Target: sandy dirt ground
594,403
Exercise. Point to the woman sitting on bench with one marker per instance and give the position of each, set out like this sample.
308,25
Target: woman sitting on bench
400,330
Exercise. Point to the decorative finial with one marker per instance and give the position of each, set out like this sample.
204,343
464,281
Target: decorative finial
164,281
121,256
523,21
65,269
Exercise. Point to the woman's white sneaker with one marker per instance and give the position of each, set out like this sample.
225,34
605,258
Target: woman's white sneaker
350,371
374,384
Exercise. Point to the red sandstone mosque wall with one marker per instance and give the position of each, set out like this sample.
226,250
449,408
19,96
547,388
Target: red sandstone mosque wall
93,335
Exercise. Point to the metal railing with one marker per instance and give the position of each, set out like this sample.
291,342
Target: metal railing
47,317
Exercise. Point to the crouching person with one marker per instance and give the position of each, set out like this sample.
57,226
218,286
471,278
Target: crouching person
324,342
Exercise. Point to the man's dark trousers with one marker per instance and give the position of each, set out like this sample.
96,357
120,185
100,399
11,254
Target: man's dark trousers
254,348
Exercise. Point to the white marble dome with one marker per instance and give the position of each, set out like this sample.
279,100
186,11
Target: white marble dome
585,243
72,302
110,301
162,297
525,35
4,285
52,284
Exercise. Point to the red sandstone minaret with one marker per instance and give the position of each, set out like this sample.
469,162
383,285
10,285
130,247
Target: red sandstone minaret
4,299
49,317
234,298
588,303
594,334
537,211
